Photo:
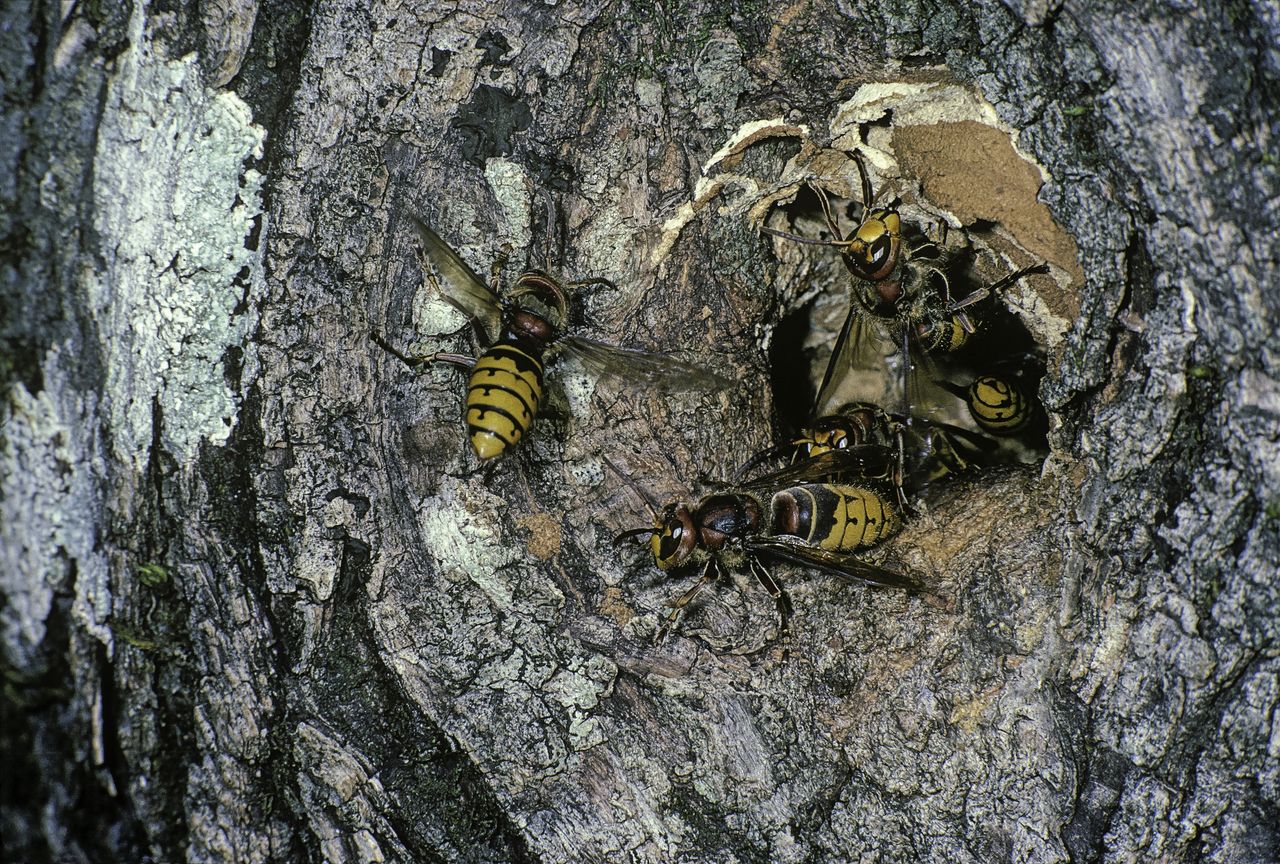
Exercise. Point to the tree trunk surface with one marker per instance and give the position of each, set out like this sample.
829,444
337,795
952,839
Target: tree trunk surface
260,601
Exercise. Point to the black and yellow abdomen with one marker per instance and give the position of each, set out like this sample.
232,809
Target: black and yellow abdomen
833,516
503,395
998,405
942,335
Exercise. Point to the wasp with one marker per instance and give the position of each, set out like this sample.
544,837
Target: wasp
505,388
913,451
786,515
904,289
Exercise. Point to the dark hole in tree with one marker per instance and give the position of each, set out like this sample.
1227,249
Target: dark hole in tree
789,373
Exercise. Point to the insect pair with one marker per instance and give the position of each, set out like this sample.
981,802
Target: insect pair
912,451
505,388
805,513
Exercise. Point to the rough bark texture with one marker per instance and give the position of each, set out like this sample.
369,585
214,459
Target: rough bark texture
259,602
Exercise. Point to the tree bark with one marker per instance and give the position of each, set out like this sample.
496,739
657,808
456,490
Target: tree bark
260,602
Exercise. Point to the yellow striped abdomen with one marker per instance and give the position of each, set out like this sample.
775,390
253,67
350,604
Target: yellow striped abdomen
834,516
503,395
944,335
999,406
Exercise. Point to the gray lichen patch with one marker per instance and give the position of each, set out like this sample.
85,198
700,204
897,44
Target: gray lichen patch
44,482
578,688
511,189
174,204
577,388
456,531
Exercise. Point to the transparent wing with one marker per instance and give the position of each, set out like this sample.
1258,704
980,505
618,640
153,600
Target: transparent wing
924,396
654,369
861,346
841,564
462,288
872,461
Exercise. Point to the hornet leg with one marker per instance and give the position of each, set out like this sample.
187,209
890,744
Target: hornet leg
900,467
415,362
766,580
710,574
